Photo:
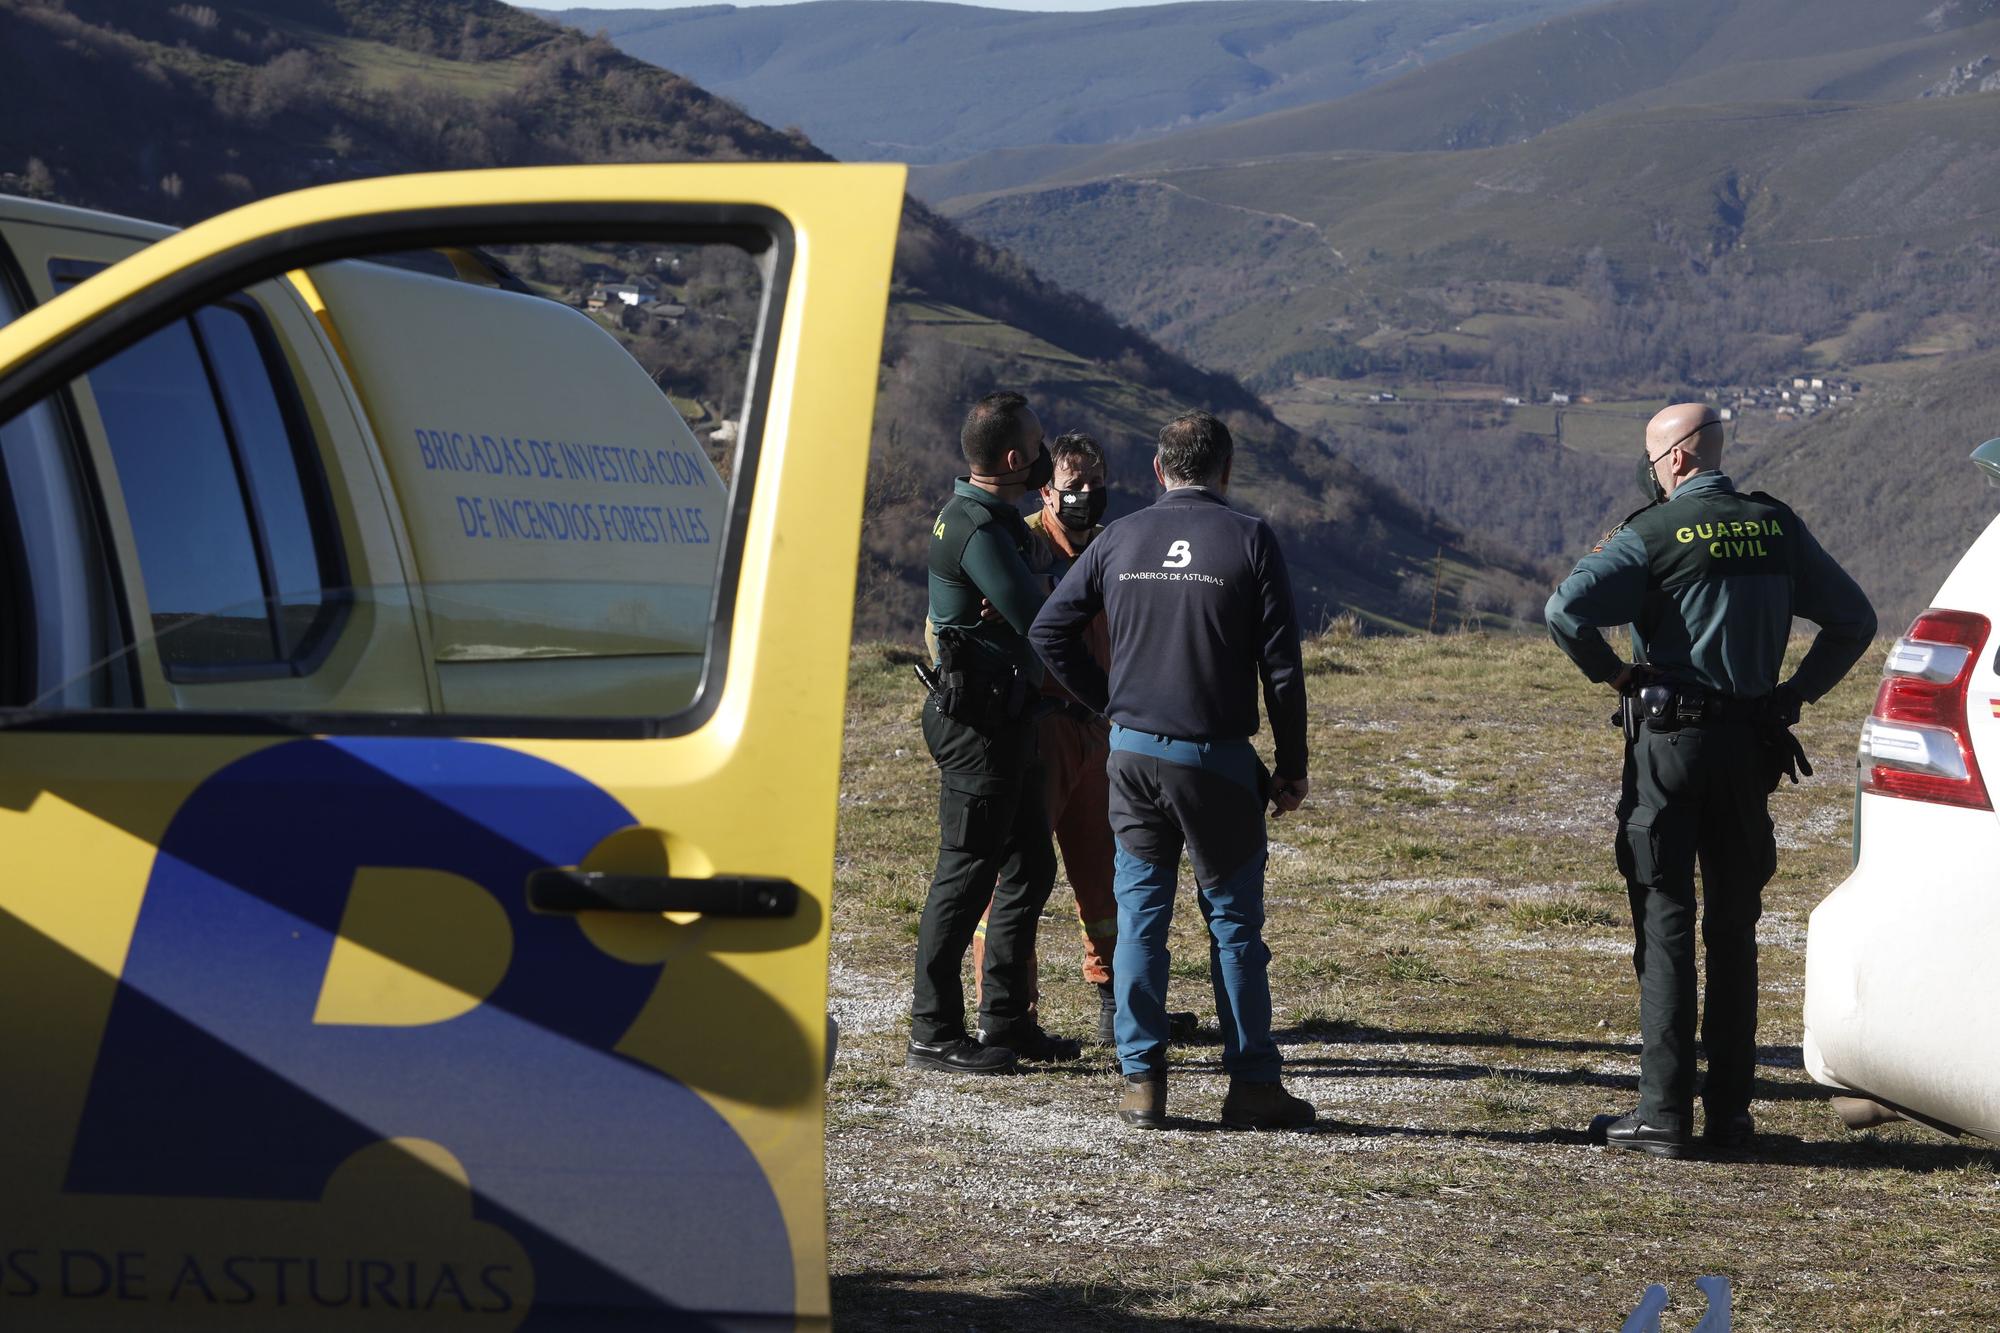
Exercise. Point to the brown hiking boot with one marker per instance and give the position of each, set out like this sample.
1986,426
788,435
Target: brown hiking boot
1265,1106
1145,1103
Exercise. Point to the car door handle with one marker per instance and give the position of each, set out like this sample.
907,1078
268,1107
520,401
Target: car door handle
565,889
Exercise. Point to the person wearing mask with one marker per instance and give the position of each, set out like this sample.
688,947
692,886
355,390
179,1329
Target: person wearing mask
1073,741
978,722
1709,579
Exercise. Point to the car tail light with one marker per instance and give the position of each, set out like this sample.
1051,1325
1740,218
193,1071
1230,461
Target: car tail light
1916,744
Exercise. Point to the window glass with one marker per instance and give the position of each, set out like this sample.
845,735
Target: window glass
61,616
535,453
271,466
196,554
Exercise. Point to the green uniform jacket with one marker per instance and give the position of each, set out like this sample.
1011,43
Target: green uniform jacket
980,548
1709,580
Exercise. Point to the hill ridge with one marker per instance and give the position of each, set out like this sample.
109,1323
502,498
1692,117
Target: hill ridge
1628,53
958,69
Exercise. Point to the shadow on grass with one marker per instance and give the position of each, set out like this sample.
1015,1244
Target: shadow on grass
1357,1034
919,1301
1314,1067
1359,1130
1360,1034
1864,1152
1857,1153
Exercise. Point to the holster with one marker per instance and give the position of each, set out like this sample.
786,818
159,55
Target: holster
974,692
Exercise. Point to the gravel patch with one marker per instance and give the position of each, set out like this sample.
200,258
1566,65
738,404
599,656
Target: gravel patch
1384,888
1578,943
1781,930
1423,781
1818,827
863,1005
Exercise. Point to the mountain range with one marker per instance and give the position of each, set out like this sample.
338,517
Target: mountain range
1637,202
195,107
1628,55
926,82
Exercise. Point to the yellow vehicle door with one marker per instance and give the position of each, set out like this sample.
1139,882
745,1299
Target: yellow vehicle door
367,1008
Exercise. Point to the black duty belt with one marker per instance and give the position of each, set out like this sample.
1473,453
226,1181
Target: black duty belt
1667,706
1670,706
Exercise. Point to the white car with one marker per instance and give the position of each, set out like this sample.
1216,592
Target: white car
1901,986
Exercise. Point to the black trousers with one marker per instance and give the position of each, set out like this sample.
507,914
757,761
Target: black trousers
1696,795
993,843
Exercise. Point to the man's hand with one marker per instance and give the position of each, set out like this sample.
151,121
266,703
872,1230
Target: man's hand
1288,794
1632,675
986,611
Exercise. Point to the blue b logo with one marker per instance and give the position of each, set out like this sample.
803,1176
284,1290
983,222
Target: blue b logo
624,1187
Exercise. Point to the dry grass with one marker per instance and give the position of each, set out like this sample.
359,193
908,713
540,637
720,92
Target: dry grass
1454,991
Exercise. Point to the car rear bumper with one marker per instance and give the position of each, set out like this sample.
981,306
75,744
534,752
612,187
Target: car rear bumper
1901,982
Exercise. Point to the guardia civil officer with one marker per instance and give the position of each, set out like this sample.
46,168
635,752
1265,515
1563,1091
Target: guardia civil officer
1071,739
979,722
1709,580
1199,609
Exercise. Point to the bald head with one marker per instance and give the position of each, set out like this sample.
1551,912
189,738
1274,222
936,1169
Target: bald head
1695,427
1682,441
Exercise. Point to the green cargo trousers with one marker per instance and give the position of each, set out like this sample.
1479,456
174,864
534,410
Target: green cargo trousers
1696,794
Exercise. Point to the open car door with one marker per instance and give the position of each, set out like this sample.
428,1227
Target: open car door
476,978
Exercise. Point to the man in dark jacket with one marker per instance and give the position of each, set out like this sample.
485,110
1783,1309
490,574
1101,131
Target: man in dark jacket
993,830
1709,579
1200,612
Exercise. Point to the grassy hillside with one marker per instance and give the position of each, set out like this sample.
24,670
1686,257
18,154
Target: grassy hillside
1887,485
1869,206
1637,52
1641,254
1836,186
198,107
926,82
1354,543
1453,988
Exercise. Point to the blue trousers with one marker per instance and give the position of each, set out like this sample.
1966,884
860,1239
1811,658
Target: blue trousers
1202,796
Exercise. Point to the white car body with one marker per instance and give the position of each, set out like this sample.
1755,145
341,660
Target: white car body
1901,983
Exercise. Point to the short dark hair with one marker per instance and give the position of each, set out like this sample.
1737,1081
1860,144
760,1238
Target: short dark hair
991,428
1073,446
1194,448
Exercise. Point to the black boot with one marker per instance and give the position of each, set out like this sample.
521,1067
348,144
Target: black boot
1630,1133
959,1056
1107,1015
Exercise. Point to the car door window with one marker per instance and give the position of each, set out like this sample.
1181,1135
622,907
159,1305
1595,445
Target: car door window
547,446
60,623
182,497
294,536
207,450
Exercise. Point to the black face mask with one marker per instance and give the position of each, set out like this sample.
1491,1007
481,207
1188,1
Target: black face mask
1042,471
1080,511
1037,474
1649,482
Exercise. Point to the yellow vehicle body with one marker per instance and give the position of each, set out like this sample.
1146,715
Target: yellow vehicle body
290,1049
